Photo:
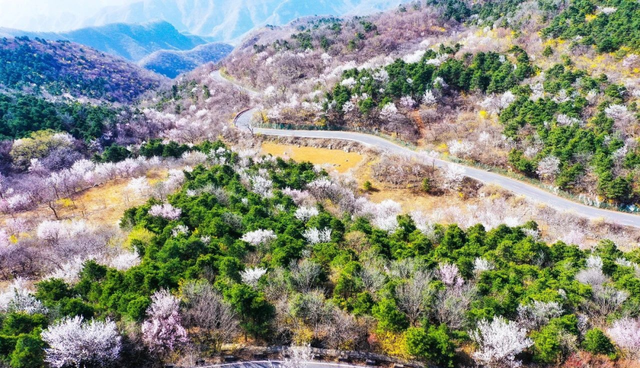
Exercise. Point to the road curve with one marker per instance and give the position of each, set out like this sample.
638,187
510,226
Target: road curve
243,121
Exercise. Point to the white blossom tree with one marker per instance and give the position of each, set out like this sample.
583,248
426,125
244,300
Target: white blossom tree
251,276
75,343
480,265
537,314
626,333
166,211
453,176
413,295
259,237
306,213
298,357
315,236
548,167
17,297
499,341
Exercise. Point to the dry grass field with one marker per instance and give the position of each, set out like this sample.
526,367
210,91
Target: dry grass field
332,160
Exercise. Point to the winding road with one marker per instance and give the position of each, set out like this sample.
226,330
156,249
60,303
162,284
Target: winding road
243,121
276,364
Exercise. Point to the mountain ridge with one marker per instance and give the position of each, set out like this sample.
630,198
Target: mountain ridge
133,42
171,63
224,21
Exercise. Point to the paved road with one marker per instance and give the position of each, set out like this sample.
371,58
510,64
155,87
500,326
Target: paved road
276,363
243,121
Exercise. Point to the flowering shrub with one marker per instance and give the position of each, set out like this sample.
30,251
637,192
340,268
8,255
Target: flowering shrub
74,342
166,211
162,331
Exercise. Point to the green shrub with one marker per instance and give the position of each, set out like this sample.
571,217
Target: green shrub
596,342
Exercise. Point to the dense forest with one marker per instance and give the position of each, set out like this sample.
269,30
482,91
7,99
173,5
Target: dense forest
21,115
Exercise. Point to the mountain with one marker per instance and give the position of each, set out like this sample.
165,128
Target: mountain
173,63
229,21
130,41
62,67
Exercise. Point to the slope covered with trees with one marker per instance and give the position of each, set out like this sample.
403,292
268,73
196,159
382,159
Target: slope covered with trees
607,25
277,252
59,67
234,247
450,83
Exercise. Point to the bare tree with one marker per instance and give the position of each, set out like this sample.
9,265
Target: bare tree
452,303
210,320
305,275
413,295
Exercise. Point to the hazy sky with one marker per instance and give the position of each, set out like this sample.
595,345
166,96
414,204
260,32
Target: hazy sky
50,15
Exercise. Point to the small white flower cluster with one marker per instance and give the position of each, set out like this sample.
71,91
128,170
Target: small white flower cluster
251,276
166,211
315,236
259,237
306,213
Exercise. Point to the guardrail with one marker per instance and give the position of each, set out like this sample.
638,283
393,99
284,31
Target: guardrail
235,119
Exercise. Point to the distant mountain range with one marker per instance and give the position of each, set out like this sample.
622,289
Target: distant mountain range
168,36
130,41
229,21
137,42
220,20
174,63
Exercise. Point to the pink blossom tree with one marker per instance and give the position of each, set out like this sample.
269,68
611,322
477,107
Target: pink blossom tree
449,274
163,331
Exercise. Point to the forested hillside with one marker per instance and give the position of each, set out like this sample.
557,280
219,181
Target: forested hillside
59,68
440,77
279,253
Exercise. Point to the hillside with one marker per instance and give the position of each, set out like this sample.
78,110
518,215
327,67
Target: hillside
173,63
437,185
59,68
437,77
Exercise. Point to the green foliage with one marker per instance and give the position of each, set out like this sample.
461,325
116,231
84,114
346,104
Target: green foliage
596,342
23,114
389,317
432,345
426,185
217,209
21,323
608,32
113,153
485,72
547,345
255,311
29,352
